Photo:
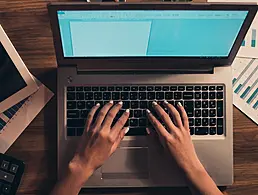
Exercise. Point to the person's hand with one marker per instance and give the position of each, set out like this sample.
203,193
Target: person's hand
99,139
175,136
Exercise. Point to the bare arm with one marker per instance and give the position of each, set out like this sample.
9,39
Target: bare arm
176,138
97,144
71,184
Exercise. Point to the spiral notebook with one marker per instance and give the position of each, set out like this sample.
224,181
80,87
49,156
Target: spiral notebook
14,120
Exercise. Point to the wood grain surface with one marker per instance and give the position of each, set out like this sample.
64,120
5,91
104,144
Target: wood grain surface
27,24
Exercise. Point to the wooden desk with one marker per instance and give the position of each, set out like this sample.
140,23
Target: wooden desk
27,24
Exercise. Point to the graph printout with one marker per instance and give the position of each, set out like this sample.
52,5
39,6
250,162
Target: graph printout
245,86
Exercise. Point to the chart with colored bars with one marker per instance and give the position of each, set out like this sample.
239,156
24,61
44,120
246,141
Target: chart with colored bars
253,39
245,86
249,47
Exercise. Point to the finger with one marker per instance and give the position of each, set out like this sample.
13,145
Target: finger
156,139
111,115
119,138
157,135
152,133
120,123
157,125
183,116
90,117
174,113
148,130
102,114
164,116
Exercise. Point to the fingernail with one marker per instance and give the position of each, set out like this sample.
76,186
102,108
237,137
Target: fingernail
179,104
126,130
148,131
121,103
127,110
148,111
111,102
154,103
166,102
97,104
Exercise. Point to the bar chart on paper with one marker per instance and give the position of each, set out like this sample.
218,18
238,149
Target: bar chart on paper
249,47
245,86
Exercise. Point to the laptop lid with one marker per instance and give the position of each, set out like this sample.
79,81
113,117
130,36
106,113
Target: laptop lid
16,82
148,36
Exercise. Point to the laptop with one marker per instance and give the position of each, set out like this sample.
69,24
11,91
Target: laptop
16,82
145,52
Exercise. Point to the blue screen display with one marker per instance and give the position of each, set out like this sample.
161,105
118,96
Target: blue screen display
154,33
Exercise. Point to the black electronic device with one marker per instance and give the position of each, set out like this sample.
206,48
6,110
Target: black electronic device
11,171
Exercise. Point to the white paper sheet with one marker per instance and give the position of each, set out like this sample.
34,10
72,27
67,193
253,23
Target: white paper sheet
245,86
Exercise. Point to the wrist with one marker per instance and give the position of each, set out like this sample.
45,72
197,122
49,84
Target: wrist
79,171
193,167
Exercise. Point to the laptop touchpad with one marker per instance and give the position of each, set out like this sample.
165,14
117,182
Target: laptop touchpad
127,163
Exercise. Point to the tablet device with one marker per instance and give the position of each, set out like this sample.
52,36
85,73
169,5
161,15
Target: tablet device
16,82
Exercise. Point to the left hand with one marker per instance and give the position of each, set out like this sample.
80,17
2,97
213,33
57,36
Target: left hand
99,140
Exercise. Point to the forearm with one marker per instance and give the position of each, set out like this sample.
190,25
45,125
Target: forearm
200,183
67,185
72,183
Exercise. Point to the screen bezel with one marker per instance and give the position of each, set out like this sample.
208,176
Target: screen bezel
146,62
31,85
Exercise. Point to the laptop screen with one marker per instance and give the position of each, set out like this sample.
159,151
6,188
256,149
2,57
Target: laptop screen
153,33
10,79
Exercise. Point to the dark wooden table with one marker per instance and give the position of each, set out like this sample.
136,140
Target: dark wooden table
27,24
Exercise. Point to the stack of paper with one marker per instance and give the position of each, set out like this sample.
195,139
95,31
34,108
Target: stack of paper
14,120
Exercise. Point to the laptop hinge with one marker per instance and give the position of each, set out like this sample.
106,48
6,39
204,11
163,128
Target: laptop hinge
83,70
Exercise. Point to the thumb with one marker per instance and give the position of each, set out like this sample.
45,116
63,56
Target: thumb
156,138
120,137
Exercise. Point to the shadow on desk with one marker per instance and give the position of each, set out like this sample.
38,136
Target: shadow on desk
49,78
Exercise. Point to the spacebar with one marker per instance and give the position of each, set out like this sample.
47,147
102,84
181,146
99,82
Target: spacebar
137,131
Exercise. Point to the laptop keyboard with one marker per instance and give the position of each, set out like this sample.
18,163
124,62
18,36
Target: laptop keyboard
203,104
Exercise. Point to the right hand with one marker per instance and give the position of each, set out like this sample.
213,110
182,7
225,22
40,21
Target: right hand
175,136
